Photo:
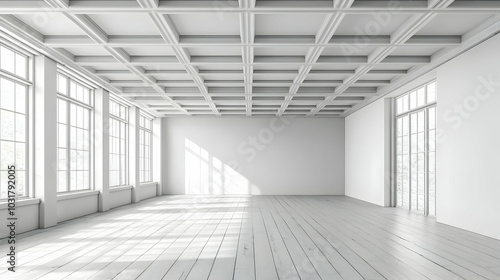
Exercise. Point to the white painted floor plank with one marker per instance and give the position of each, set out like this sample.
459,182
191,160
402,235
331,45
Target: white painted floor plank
254,237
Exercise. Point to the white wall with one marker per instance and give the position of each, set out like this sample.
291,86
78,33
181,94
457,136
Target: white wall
468,158
367,153
289,156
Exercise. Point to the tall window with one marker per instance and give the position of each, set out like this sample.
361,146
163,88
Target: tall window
145,149
118,122
416,150
14,84
74,107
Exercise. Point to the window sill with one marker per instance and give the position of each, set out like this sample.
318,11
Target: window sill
72,195
120,188
20,202
148,184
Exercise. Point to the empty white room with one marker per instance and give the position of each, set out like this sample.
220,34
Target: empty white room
249,139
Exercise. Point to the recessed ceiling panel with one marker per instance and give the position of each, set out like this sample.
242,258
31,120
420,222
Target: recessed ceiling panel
207,24
125,24
371,24
288,24
452,24
51,24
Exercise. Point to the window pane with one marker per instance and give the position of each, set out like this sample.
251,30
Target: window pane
72,89
21,99
413,100
7,154
7,59
21,66
431,92
20,156
62,86
421,97
7,125
20,128
7,94
62,163
399,105
61,111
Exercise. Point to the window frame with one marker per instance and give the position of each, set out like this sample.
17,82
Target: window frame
143,129
126,122
397,114
90,107
27,82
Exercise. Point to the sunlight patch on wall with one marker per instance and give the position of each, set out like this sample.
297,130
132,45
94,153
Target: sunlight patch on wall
207,174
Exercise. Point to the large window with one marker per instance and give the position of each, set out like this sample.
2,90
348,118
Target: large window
416,150
118,122
74,107
14,86
145,149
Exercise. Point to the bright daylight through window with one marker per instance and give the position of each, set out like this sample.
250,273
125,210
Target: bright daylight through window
118,123
74,107
14,88
416,150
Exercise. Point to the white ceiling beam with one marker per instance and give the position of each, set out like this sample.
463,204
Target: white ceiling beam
100,37
472,38
323,36
382,54
273,41
247,34
31,37
171,36
282,7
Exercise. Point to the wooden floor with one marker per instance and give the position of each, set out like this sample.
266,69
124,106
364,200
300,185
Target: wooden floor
260,237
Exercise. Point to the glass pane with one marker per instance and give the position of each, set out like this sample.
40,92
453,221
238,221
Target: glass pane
62,133
72,89
20,99
20,128
86,96
413,100
21,183
7,154
72,113
421,142
79,116
432,118
21,66
20,156
79,93
413,123
421,121
86,118
399,105
7,95
405,125
72,160
7,60
72,181
421,97
432,162
399,127
432,140
62,85
7,125
431,92
62,163
61,111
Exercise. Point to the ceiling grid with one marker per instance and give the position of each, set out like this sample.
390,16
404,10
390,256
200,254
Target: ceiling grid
251,58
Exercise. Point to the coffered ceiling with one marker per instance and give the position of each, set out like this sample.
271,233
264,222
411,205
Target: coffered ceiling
251,58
